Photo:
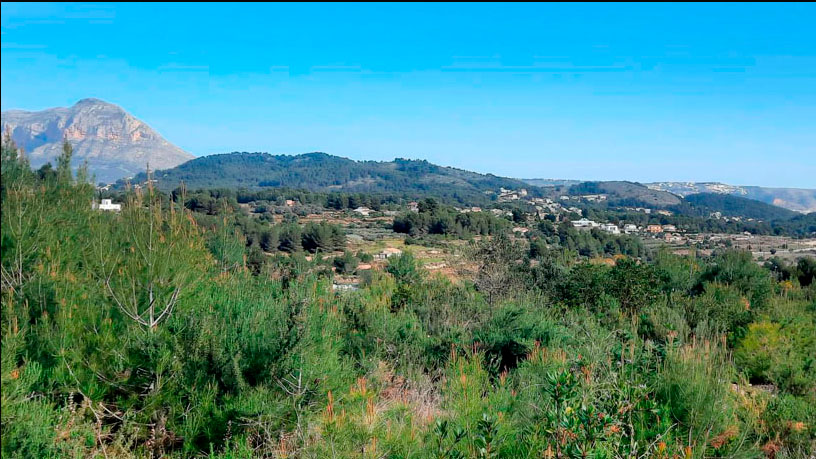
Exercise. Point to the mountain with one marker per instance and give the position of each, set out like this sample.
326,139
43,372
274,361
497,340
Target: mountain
798,199
323,172
114,143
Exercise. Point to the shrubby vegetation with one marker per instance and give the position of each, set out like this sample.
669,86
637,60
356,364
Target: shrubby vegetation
433,218
150,333
591,243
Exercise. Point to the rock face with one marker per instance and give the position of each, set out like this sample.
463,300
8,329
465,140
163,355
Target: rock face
114,143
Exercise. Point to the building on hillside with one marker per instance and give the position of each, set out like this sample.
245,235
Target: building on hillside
290,203
387,253
413,206
654,229
107,205
630,228
585,223
669,229
610,228
364,211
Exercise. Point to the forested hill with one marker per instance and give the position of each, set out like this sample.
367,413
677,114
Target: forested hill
703,204
323,172
627,193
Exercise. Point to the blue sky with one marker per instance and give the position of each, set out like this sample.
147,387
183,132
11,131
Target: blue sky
702,92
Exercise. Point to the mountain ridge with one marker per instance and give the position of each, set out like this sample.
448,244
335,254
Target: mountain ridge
802,200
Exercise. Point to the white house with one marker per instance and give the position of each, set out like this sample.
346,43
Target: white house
584,223
364,211
630,228
107,204
387,253
610,228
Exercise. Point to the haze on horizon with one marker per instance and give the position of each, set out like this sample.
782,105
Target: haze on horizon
660,92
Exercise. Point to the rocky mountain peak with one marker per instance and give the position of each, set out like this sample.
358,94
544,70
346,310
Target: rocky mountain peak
114,143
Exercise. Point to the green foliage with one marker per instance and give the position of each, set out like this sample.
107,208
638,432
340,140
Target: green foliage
322,237
322,172
634,285
780,354
167,332
738,269
500,266
433,218
345,264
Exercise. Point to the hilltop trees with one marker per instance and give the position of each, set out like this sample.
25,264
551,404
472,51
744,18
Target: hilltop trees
322,237
433,218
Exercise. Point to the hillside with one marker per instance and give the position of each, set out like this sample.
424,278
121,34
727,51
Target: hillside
703,204
113,142
550,182
798,199
627,193
323,172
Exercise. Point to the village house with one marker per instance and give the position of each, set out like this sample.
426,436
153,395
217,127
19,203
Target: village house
290,203
585,223
108,205
630,228
387,253
669,228
364,211
654,229
413,206
610,228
